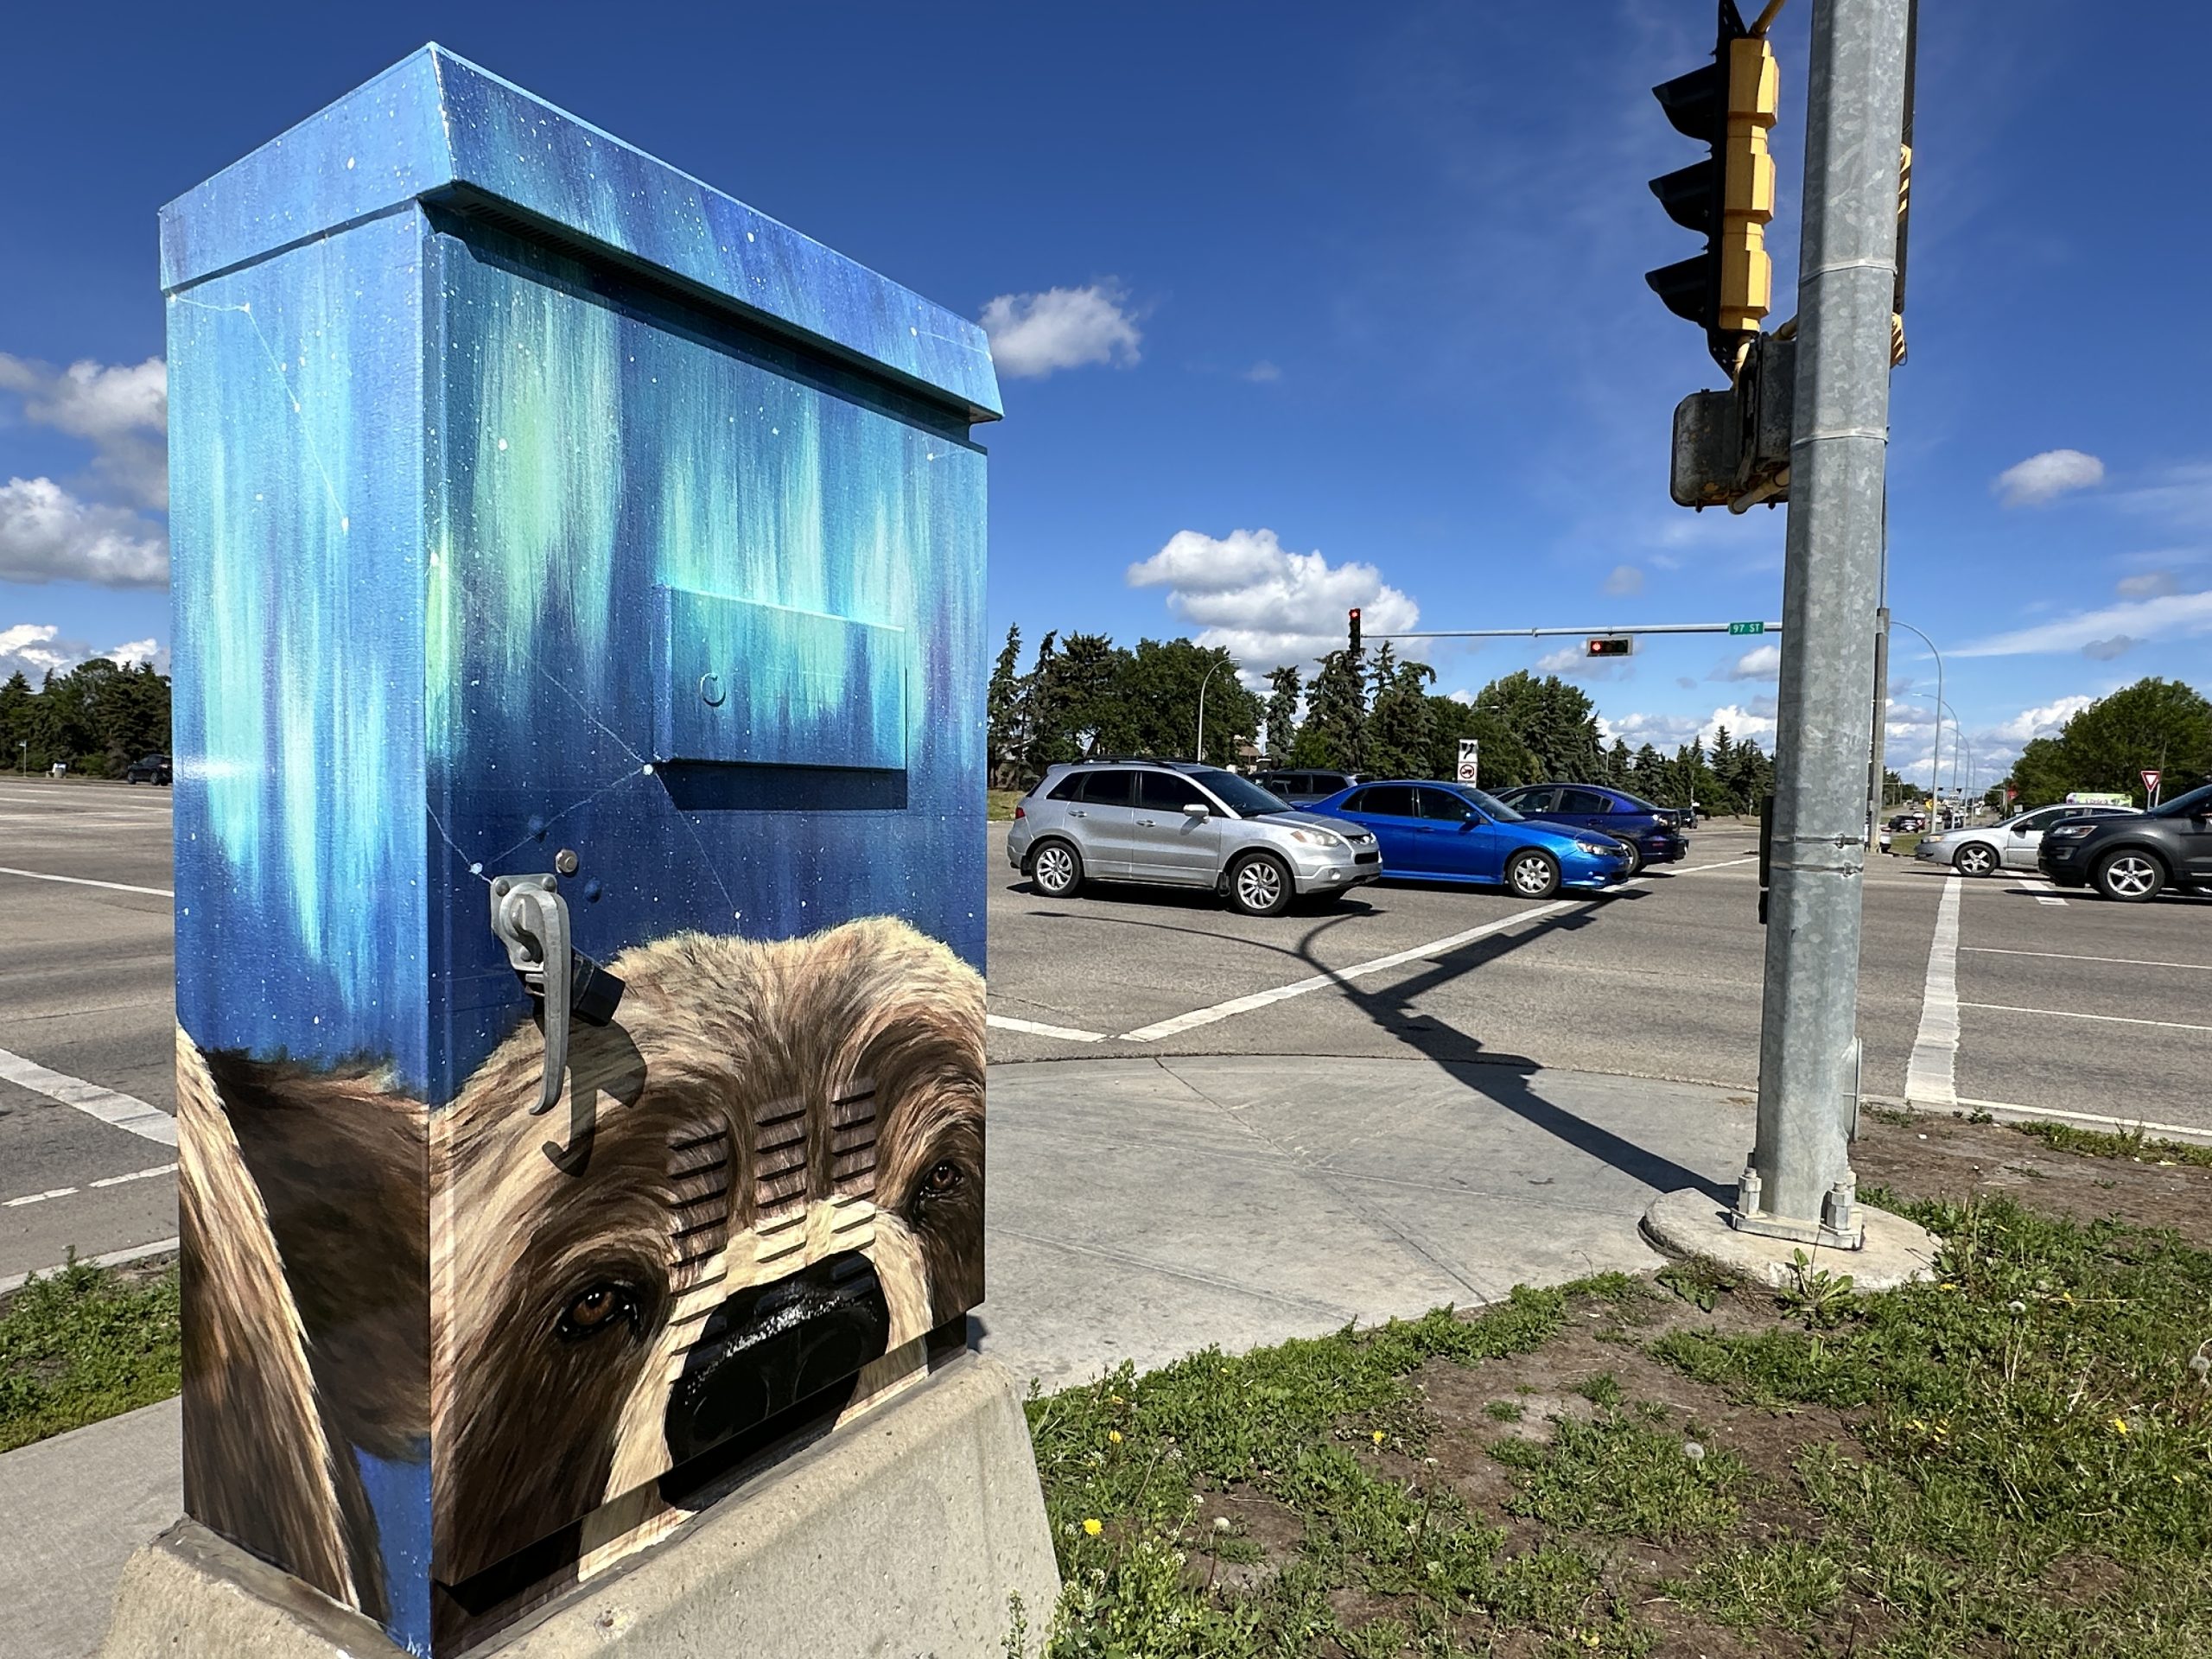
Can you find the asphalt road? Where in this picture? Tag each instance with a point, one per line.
(2069, 1007)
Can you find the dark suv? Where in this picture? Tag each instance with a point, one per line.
(1302, 786)
(2131, 858)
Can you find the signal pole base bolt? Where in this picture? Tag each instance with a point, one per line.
(1887, 1250)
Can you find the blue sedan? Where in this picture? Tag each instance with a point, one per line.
(1454, 832)
(1649, 830)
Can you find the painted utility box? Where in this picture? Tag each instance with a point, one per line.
(579, 736)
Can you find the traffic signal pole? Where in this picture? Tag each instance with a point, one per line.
(1799, 1184)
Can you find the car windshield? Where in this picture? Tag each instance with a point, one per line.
(1241, 795)
(2196, 803)
(1489, 806)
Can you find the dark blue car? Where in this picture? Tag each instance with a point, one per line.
(1454, 832)
(1649, 830)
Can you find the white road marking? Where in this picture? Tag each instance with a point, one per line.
(112, 1259)
(2005, 1108)
(1931, 1076)
(71, 1191)
(2064, 1014)
(123, 1111)
(1183, 1022)
(2061, 956)
(1065, 1034)
(87, 881)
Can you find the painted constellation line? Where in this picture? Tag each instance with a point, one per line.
(244, 309)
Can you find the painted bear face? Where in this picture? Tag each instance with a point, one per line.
(773, 1181)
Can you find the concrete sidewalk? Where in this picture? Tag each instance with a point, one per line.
(1139, 1209)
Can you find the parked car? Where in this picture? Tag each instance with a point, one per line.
(1908, 823)
(2010, 845)
(1301, 786)
(1178, 824)
(1454, 832)
(1651, 832)
(2133, 855)
(151, 769)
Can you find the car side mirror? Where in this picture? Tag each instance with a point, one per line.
(1196, 809)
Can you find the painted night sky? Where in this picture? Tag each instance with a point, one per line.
(470, 400)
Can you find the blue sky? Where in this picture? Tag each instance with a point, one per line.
(1295, 307)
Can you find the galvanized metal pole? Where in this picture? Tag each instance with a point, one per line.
(1876, 761)
(1799, 1184)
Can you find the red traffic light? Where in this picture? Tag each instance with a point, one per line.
(1616, 644)
(1353, 617)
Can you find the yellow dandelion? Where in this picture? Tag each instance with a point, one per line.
(1091, 1527)
(1378, 1437)
(2120, 1425)
(1115, 1435)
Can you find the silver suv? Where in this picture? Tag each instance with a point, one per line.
(1180, 824)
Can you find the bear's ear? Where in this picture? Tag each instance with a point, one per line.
(259, 1466)
(343, 1170)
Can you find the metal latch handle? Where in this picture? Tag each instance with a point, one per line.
(529, 917)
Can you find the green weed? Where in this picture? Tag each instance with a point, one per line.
(82, 1343)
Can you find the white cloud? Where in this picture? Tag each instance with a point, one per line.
(1759, 663)
(1667, 733)
(1742, 723)
(1575, 663)
(2044, 478)
(1266, 605)
(2103, 651)
(121, 410)
(1263, 373)
(34, 648)
(2153, 584)
(2042, 722)
(1626, 582)
(2185, 614)
(1033, 334)
(49, 535)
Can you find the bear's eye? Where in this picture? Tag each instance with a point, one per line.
(944, 1179)
(589, 1312)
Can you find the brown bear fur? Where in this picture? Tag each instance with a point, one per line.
(327, 1309)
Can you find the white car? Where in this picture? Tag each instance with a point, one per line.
(2008, 846)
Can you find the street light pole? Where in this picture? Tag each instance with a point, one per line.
(1935, 754)
(1200, 757)
(1798, 1185)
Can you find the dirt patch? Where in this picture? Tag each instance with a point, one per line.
(1933, 1156)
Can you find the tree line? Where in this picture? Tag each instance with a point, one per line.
(97, 718)
(2164, 726)
(1082, 696)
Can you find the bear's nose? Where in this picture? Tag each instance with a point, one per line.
(771, 1348)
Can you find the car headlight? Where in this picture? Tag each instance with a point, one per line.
(1597, 849)
(2068, 831)
(1317, 838)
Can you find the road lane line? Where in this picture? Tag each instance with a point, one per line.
(1183, 1022)
(87, 881)
(111, 1259)
(1065, 1034)
(1931, 1076)
(123, 1111)
(72, 1192)
(2064, 1014)
(2061, 956)
(2005, 1108)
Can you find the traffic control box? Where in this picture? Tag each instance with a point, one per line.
(579, 747)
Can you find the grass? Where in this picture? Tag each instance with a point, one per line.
(2016, 1458)
(999, 805)
(2126, 1143)
(82, 1343)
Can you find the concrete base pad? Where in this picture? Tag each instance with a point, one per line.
(1692, 1223)
(913, 1530)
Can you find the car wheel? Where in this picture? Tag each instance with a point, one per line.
(2131, 876)
(1056, 869)
(1974, 859)
(1533, 874)
(1260, 885)
(1635, 859)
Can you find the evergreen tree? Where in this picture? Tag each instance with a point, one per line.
(1400, 726)
(1283, 689)
(1335, 731)
(1002, 705)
